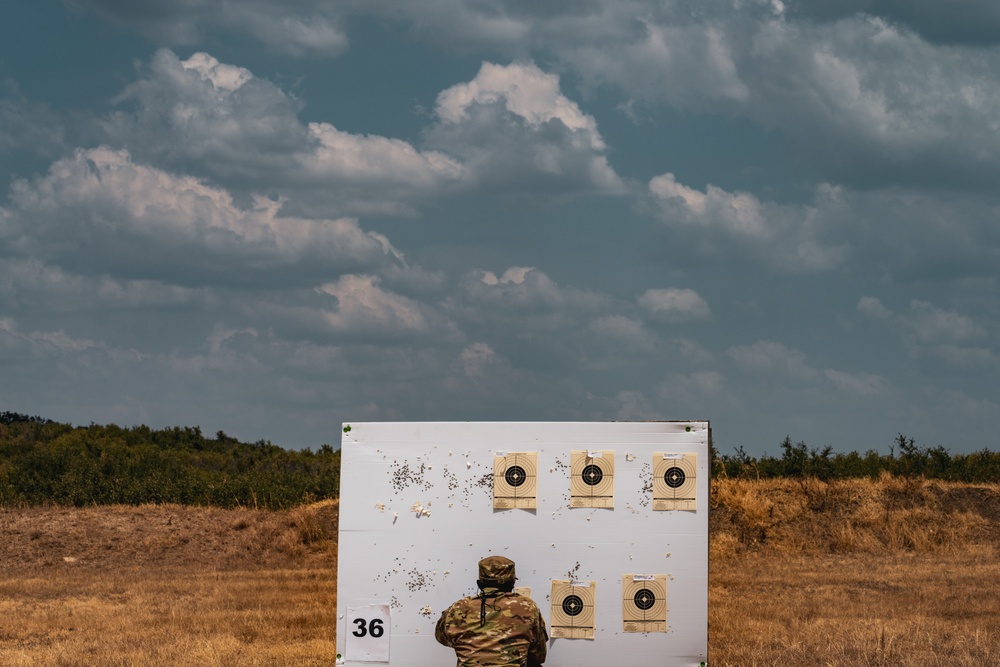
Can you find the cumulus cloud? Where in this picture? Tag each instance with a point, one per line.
(933, 325)
(866, 99)
(675, 304)
(781, 362)
(30, 281)
(975, 22)
(363, 306)
(869, 92)
(872, 307)
(220, 121)
(528, 294)
(100, 212)
(42, 343)
(510, 129)
(927, 330)
(31, 127)
(296, 28)
(772, 357)
(791, 237)
(618, 337)
(513, 127)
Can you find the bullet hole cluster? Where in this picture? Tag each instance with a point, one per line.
(450, 479)
(486, 483)
(403, 476)
(418, 580)
(646, 476)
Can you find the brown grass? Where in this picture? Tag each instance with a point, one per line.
(168, 585)
(892, 572)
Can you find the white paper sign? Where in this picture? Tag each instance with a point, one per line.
(368, 631)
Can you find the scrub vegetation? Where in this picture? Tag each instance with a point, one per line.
(44, 462)
(905, 458)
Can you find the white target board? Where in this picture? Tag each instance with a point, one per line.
(607, 524)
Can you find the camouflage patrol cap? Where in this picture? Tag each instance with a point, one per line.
(496, 569)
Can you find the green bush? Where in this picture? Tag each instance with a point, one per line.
(42, 462)
(905, 459)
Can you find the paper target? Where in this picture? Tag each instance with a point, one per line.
(572, 615)
(674, 481)
(515, 481)
(644, 603)
(592, 478)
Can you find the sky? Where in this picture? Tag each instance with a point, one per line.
(271, 217)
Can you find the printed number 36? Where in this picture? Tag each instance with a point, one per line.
(372, 627)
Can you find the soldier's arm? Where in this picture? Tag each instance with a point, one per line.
(539, 644)
(441, 630)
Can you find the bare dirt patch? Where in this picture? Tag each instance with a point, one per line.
(167, 535)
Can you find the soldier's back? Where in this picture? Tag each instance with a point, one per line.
(512, 626)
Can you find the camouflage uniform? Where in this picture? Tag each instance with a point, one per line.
(495, 628)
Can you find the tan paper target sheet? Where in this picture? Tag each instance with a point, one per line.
(644, 603)
(515, 480)
(592, 478)
(573, 612)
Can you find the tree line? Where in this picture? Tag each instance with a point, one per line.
(45, 462)
(905, 459)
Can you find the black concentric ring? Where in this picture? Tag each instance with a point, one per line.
(592, 475)
(572, 605)
(674, 477)
(644, 599)
(515, 476)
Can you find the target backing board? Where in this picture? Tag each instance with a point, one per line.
(515, 480)
(675, 481)
(644, 603)
(572, 615)
(592, 478)
(417, 514)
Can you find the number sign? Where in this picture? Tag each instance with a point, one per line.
(368, 633)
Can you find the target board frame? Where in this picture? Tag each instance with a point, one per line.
(592, 478)
(675, 481)
(417, 514)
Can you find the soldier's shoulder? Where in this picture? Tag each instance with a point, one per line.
(523, 601)
(463, 603)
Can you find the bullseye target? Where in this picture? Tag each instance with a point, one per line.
(515, 477)
(674, 481)
(572, 614)
(644, 602)
(592, 478)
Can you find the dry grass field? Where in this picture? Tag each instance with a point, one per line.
(888, 572)
(167, 585)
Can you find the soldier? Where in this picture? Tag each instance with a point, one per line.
(498, 627)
